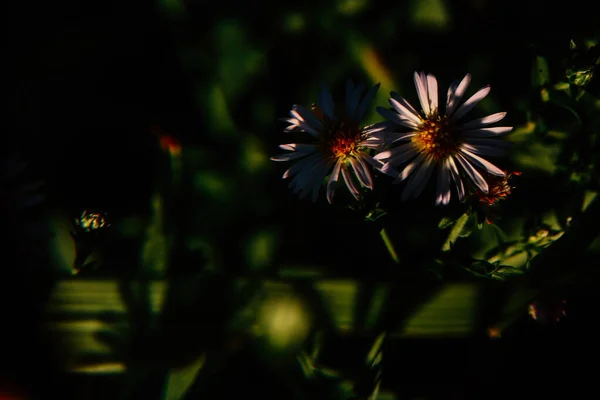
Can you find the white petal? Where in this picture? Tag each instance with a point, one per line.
(326, 102)
(417, 182)
(306, 115)
(489, 142)
(307, 128)
(472, 102)
(482, 163)
(293, 121)
(372, 143)
(350, 183)
(408, 123)
(296, 128)
(375, 163)
(363, 160)
(308, 148)
(473, 174)
(367, 160)
(405, 111)
(456, 91)
(460, 188)
(492, 151)
(309, 177)
(289, 156)
(432, 90)
(396, 118)
(358, 171)
(394, 137)
(365, 102)
(410, 167)
(389, 170)
(378, 165)
(319, 177)
(487, 132)
(293, 127)
(301, 123)
(373, 140)
(303, 179)
(403, 157)
(395, 151)
(387, 154)
(481, 122)
(312, 180)
(308, 162)
(421, 85)
(405, 103)
(333, 180)
(362, 173)
(378, 127)
(443, 184)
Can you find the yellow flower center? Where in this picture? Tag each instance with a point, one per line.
(436, 139)
(340, 139)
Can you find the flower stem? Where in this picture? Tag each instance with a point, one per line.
(389, 245)
(455, 232)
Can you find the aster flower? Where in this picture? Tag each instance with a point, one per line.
(89, 221)
(439, 141)
(340, 144)
(86, 232)
(499, 188)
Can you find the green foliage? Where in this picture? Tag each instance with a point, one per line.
(584, 60)
(461, 228)
(251, 275)
(540, 74)
(506, 272)
(482, 268)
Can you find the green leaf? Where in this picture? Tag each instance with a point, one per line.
(540, 75)
(238, 58)
(483, 267)
(580, 76)
(572, 45)
(375, 214)
(389, 245)
(180, 380)
(506, 271)
(458, 230)
(260, 249)
(475, 273)
(469, 226)
(500, 235)
(446, 222)
(372, 356)
(536, 156)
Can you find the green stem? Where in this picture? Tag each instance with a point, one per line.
(389, 245)
(455, 231)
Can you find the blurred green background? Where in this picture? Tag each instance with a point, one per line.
(164, 115)
(98, 83)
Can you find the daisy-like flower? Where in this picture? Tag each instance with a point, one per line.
(439, 141)
(499, 188)
(340, 144)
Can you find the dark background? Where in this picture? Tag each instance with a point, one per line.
(88, 83)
